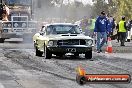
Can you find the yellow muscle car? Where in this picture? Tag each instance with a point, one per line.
(60, 39)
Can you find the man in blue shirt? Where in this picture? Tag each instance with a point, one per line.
(101, 30)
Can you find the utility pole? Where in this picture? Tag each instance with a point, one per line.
(32, 9)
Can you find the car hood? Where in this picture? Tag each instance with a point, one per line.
(68, 36)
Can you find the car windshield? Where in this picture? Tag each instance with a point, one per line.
(63, 29)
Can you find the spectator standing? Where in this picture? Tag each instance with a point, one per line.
(101, 30)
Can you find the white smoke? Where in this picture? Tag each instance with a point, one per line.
(62, 11)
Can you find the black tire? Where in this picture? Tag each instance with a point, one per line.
(128, 40)
(2, 40)
(38, 53)
(88, 54)
(47, 53)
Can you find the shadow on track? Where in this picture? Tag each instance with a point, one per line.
(72, 57)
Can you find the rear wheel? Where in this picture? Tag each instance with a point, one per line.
(2, 40)
(38, 53)
(88, 54)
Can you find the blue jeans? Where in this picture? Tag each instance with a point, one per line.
(103, 36)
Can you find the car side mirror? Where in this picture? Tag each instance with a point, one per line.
(41, 33)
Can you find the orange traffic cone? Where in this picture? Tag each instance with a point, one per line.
(109, 46)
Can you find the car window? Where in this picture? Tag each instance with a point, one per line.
(48, 31)
(63, 29)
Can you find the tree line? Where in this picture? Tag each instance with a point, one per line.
(116, 8)
(77, 10)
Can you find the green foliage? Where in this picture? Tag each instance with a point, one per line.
(124, 8)
(117, 8)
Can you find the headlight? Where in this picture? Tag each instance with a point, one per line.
(50, 43)
(89, 42)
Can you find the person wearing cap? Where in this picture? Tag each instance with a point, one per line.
(122, 30)
(101, 30)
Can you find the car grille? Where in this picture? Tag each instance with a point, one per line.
(71, 42)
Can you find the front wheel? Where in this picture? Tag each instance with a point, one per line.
(38, 53)
(47, 53)
(88, 54)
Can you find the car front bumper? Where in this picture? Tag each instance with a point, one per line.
(69, 49)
